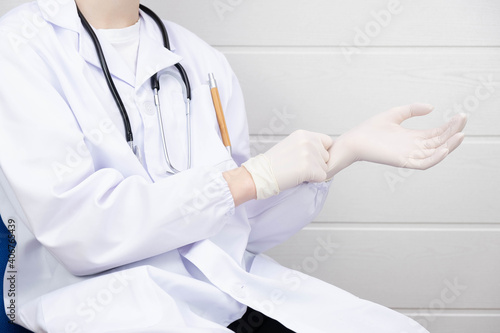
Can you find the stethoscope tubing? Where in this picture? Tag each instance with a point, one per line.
(155, 86)
(116, 96)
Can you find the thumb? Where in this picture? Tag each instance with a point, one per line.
(326, 140)
(402, 113)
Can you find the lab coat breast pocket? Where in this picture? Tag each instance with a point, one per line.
(208, 148)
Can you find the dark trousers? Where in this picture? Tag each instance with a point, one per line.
(255, 322)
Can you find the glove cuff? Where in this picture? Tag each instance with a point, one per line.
(262, 173)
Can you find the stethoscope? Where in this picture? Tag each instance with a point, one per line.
(155, 85)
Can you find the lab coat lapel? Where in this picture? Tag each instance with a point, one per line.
(65, 15)
(61, 13)
(153, 56)
(115, 62)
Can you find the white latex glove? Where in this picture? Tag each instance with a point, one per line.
(300, 157)
(382, 139)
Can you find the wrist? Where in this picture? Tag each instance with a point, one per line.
(241, 185)
(340, 157)
(262, 173)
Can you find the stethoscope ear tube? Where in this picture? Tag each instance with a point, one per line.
(159, 23)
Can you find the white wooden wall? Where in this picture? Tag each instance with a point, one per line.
(424, 243)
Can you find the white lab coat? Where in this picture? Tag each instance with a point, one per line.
(110, 243)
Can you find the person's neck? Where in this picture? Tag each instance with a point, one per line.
(110, 14)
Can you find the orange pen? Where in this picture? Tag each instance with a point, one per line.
(218, 111)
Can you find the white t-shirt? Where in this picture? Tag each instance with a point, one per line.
(126, 42)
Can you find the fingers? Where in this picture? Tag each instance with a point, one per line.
(457, 123)
(441, 135)
(460, 120)
(318, 175)
(455, 141)
(316, 165)
(319, 144)
(425, 163)
(327, 143)
(326, 140)
(425, 158)
(325, 155)
(422, 153)
(402, 113)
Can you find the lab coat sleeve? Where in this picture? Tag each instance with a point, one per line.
(276, 219)
(97, 218)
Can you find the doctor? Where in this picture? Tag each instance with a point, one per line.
(109, 240)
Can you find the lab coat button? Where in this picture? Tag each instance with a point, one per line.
(239, 291)
(149, 108)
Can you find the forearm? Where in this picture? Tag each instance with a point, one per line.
(241, 185)
(337, 161)
(276, 219)
(106, 222)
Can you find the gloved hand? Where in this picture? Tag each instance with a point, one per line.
(300, 157)
(382, 139)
